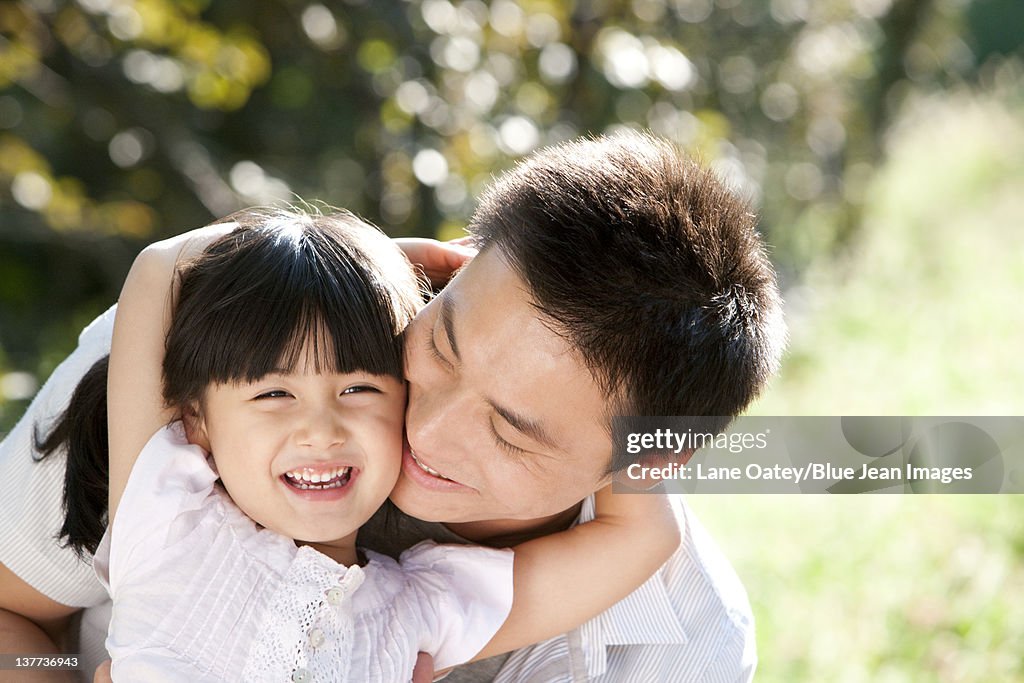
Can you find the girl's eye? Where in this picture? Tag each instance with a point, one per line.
(358, 390)
(274, 393)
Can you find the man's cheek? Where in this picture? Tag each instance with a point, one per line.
(409, 353)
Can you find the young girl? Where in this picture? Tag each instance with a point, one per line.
(231, 553)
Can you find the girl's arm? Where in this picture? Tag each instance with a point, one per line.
(135, 403)
(564, 579)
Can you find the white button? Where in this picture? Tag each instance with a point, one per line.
(335, 596)
(316, 637)
(300, 676)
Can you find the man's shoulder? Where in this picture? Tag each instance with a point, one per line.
(695, 605)
(698, 581)
(711, 602)
(97, 334)
(699, 561)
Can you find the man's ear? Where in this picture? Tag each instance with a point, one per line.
(681, 458)
(195, 428)
(638, 476)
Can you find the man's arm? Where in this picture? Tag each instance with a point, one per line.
(31, 623)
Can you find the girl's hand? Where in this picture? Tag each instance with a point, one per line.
(437, 260)
(424, 670)
(102, 674)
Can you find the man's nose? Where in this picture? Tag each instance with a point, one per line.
(434, 415)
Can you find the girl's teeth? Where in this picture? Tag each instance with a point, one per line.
(306, 479)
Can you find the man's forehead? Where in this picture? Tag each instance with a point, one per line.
(491, 266)
(489, 307)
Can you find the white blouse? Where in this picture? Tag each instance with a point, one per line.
(202, 593)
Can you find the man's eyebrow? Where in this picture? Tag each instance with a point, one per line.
(530, 428)
(446, 313)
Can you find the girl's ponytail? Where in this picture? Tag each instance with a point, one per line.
(82, 431)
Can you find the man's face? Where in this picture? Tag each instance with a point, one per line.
(499, 406)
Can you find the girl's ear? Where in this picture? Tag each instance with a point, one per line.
(195, 428)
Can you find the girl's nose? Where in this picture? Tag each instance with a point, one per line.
(322, 430)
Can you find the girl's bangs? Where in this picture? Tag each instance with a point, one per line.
(322, 297)
(348, 332)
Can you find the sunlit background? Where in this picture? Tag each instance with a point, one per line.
(882, 142)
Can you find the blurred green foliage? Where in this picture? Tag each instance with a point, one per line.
(122, 121)
(125, 120)
(881, 141)
(920, 315)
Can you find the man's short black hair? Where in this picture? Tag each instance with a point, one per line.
(649, 266)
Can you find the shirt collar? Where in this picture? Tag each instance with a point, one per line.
(644, 617)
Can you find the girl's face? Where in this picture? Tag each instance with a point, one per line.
(308, 455)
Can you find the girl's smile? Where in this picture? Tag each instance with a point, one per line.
(316, 478)
(320, 483)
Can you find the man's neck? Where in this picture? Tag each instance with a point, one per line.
(502, 533)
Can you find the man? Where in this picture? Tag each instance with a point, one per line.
(614, 278)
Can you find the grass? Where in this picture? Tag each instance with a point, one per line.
(879, 588)
(922, 317)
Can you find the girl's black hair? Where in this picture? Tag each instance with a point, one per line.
(247, 306)
(82, 431)
(281, 289)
